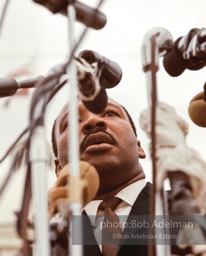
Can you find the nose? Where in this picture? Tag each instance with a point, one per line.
(93, 123)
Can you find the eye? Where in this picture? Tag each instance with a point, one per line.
(109, 112)
(66, 124)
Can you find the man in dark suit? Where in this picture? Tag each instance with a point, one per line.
(108, 142)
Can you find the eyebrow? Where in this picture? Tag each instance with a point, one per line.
(118, 107)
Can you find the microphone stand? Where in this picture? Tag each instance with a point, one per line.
(75, 205)
(156, 42)
(38, 159)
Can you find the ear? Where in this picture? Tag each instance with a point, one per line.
(140, 150)
(57, 166)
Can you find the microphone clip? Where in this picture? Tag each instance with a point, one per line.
(88, 79)
(193, 48)
(163, 43)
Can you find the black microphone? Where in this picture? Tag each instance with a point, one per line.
(85, 14)
(188, 52)
(95, 74)
(9, 86)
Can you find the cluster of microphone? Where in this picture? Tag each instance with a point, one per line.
(96, 73)
(92, 84)
(189, 52)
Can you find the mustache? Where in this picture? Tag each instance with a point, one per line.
(96, 130)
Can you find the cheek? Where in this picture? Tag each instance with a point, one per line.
(130, 144)
(63, 151)
(126, 133)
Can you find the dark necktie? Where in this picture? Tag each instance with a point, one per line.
(110, 227)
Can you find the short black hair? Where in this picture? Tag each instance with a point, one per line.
(53, 138)
(130, 120)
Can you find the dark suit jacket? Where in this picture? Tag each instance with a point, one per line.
(128, 247)
(140, 207)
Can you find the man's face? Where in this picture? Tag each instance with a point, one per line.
(107, 140)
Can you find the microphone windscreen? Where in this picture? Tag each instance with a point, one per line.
(98, 104)
(173, 62)
(8, 86)
(111, 73)
(85, 14)
(60, 191)
(88, 174)
(89, 16)
(197, 110)
(91, 180)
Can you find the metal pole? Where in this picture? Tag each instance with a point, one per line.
(38, 158)
(73, 152)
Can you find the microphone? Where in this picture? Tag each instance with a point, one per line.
(95, 74)
(9, 86)
(188, 52)
(197, 109)
(68, 189)
(63, 186)
(85, 14)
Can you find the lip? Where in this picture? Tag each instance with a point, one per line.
(96, 142)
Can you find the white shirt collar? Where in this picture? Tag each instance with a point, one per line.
(128, 195)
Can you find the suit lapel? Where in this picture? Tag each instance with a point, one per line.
(140, 208)
(90, 244)
(141, 205)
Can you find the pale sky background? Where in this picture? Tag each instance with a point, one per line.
(34, 37)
